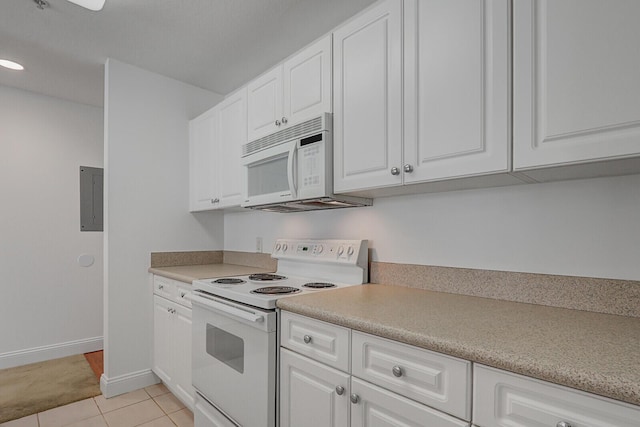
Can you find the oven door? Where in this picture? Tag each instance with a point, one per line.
(234, 359)
(271, 175)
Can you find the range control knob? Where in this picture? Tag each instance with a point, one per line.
(284, 247)
(350, 251)
(278, 246)
(340, 250)
(319, 249)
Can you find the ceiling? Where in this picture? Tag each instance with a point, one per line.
(213, 44)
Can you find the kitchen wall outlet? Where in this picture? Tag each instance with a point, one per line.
(259, 244)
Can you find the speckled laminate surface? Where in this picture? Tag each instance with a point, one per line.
(594, 352)
(189, 273)
(609, 296)
(250, 258)
(172, 259)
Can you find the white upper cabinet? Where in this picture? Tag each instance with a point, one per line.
(451, 79)
(232, 125)
(203, 183)
(265, 104)
(576, 81)
(291, 92)
(456, 89)
(215, 148)
(307, 83)
(367, 74)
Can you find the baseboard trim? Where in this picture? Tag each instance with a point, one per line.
(48, 352)
(128, 382)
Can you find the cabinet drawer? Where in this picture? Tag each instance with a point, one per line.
(434, 379)
(505, 399)
(377, 406)
(316, 339)
(164, 287)
(182, 294)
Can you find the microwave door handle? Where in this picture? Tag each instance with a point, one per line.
(292, 169)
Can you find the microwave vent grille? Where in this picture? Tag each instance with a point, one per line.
(284, 135)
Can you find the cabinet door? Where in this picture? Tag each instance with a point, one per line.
(367, 72)
(231, 136)
(378, 407)
(308, 395)
(264, 102)
(307, 83)
(181, 346)
(203, 188)
(576, 91)
(163, 347)
(456, 88)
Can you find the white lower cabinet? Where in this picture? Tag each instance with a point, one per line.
(375, 406)
(431, 378)
(172, 339)
(503, 399)
(313, 394)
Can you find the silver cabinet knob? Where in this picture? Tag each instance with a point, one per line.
(182, 294)
(408, 168)
(284, 120)
(354, 398)
(563, 424)
(278, 123)
(339, 390)
(395, 171)
(161, 287)
(397, 371)
(307, 339)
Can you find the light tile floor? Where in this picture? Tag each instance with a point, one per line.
(152, 406)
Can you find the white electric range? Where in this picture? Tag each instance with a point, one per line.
(235, 327)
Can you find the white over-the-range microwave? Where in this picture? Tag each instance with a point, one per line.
(292, 170)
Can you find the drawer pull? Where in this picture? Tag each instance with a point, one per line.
(563, 424)
(340, 390)
(354, 398)
(307, 339)
(397, 371)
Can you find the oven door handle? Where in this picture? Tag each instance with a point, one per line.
(226, 308)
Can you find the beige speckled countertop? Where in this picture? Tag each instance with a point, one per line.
(189, 273)
(594, 352)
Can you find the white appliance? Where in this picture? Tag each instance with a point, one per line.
(292, 170)
(235, 327)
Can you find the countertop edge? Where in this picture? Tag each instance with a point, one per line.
(182, 276)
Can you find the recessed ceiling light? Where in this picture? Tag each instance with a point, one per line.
(11, 65)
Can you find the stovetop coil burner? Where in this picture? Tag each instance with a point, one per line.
(228, 281)
(318, 285)
(266, 277)
(275, 290)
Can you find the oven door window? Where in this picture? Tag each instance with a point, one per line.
(225, 347)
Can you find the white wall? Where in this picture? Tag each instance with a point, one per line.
(584, 228)
(50, 306)
(146, 176)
